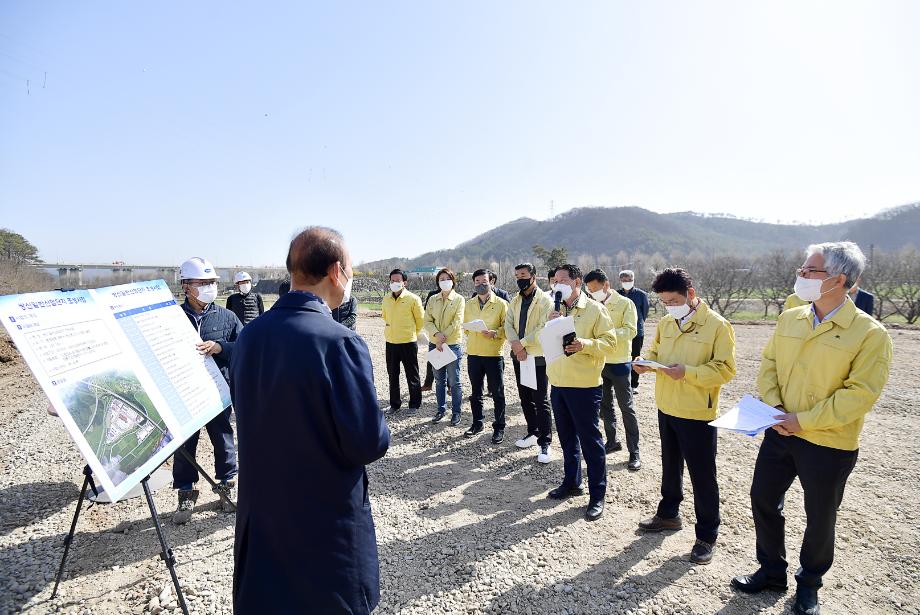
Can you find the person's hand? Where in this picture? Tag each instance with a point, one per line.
(516, 347)
(440, 337)
(491, 334)
(209, 348)
(676, 371)
(522, 355)
(789, 425)
(640, 369)
(440, 346)
(554, 315)
(576, 346)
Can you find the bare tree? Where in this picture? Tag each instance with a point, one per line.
(724, 281)
(774, 277)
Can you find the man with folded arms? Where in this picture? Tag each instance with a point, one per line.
(698, 348)
(824, 368)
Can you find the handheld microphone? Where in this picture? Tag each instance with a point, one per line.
(558, 300)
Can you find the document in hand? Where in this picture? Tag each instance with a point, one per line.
(475, 325)
(439, 359)
(551, 337)
(749, 416)
(529, 373)
(651, 364)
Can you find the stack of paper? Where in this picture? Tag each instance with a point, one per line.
(749, 416)
(651, 364)
(551, 337)
(475, 325)
(439, 359)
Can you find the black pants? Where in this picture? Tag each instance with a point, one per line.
(692, 441)
(535, 405)
(220, 431)
(577, 412)
(636, 352)
(429, 375)
(619, 386)
(493, 368)
(823, 473)
(407, 355)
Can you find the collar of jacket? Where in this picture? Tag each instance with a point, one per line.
(191, 311)
(302, 300)
(581, 302)
(492, 299)
(451, 297)
(700, 316)
(843, 317)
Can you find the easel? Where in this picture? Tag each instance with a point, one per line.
(165, 551)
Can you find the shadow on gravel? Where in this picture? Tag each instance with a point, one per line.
(742, 604)
(26, 503)
(95, 551)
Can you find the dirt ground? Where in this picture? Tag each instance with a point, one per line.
(464, 526)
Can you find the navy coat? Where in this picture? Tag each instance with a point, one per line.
(865, 301)
(307, 423)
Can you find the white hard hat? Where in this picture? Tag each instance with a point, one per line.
(242, 276)
(197, 268)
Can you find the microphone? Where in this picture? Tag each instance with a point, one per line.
(558, 300)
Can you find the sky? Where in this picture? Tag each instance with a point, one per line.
(151, 132)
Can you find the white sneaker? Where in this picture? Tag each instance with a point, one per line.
(545, 455)
(526, 442)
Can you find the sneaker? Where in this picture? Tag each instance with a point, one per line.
(455, 420)
(475, 429)
(187, 499)
(498, 436)
(227, 488)
(437, 417)
(526, 442)
(701, 552)
(545, 455)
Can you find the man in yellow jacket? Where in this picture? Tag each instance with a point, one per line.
(622, 312)
(824, 368)
(576, 395)
(524, 321)
(403, 318)
(698, 347)
(484, 353)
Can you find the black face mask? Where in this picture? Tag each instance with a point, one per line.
(524, 284)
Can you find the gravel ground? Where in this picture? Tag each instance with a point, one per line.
(464, 526)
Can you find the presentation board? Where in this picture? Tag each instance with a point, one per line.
(120, 366)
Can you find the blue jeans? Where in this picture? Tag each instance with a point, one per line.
(449, 373)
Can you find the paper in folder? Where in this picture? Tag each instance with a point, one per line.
(749, 416)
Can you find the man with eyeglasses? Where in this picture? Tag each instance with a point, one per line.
(218, 328)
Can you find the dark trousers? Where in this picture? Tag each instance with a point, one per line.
(407, 355)
(636, 352)
(535, 405)
(220, 431)
(577, 412)
(479, 369)
(619, 385)
(692, 441)
(823, 473)
(429, 375)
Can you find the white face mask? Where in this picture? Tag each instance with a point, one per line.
(627, 286)
(808, 289)
(245, 288)
(599, 295)
(565, 289)
(446, 285)
(347, 296)
(396, 286)
(207, 294)
(678, 311)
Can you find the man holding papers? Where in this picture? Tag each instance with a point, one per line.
(403, 318)
(524, 320)
(824, 368)
(443, 324)
(576, 395)
(698, 348)
(484, 353)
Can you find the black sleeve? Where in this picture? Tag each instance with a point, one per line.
(261, 304)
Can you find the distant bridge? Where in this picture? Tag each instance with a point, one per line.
(74, 274)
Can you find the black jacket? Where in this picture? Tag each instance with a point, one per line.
(236, 303)
(216, 324)
(640, 298)
(347, 314)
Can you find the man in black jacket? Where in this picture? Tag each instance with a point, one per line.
(640, 298)
(347, 314)
(218, 328)
(246, 304)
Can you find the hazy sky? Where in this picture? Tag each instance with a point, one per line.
(171, 129)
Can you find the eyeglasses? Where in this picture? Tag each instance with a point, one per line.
(199, 283)
(804, 271)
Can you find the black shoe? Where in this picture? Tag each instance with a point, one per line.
(455, 419)
(806, 601)
(438, 416)
(497, 436)
(634, 462)
(613, 447)
(701, 553)
(757, 582)
(595, 510)
(564, 491)
(658, 524)
(474, 429)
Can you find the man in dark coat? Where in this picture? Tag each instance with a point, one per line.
(347, 314)
(308, 423)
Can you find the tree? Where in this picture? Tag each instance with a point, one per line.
(555, 257)
(724, 281)
(14, 247)
(774, 275)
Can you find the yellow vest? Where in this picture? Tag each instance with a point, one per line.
(493, 314)
(583, 369)
(706, 346)
(622, 312)
(540, 307)
(403, 317)
(446, 316)
(830, 376)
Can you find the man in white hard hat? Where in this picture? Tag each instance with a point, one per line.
(218, 328)
(246, 304)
